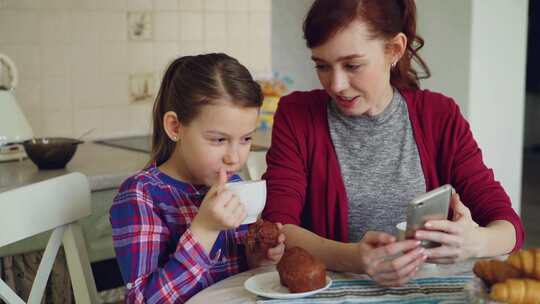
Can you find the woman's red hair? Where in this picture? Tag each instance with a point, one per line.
(384, 19)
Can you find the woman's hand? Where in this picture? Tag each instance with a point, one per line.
(272, 256)
(459, 238)
(382, 258)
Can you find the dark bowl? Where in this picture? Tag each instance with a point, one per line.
(51, 152)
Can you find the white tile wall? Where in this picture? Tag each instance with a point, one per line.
(238, 5)
(191, 26)
(85, 4)
(194, 5)
(56, 94)
(74, 56)
(215, 5)
(215, 26)
(165, 5)
(139, 5)
(166, 26)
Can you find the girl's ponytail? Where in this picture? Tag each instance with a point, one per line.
(162, 146)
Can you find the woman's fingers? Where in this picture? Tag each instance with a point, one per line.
(398, 266)
(401, 273)
(443, 225)
(376, 238)
(443, 252)
(442, 261)
(391, 266)
(439, 237)
(393, 249)
(458, 206)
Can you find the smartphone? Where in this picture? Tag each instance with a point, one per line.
(433, 205)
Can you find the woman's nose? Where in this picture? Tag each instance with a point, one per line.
(338, 81)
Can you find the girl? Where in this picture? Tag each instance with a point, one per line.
(176, 229)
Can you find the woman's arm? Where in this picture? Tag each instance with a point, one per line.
(377, 254)
(498, 238)
(484, 197)
(337, 256)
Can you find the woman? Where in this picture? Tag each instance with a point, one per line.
(346, 160)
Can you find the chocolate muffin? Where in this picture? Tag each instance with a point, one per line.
(300, 271)
(261, 236)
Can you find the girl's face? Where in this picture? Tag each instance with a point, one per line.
(220, 136)
(355, 70)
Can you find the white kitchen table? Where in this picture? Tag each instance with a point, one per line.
(445, 282)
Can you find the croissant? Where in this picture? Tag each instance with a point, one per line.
(517, 291)
(495, 271)
(527, 261)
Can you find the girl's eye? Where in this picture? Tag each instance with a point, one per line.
(246, 140)
(219, 140)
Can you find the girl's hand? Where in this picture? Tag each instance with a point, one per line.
(460, 238)
(382, 258)
(273, 255)
(221, 208)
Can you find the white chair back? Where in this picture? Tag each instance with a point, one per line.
(55, 204)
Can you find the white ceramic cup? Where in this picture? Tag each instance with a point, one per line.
(253, 195)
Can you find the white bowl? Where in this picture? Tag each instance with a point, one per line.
(253, 195)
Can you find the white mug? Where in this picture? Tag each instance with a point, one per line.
(253, 195)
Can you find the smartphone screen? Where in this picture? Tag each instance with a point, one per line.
(433, 205)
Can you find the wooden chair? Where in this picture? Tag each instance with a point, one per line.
(55, 204)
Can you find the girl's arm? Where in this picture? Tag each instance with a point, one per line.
(154, 274)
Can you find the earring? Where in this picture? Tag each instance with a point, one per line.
(393, 65)
(174, 138)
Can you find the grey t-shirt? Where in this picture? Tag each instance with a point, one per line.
(380, 166)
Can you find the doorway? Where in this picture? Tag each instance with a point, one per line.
(530, 197)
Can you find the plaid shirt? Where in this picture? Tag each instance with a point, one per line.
(160, 259)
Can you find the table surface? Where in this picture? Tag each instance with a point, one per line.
(231, 290)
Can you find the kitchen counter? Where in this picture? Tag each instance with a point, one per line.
(106, 167)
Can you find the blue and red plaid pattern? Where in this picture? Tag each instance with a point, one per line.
(160, 260)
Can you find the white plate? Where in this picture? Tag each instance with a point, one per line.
(268, 285)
